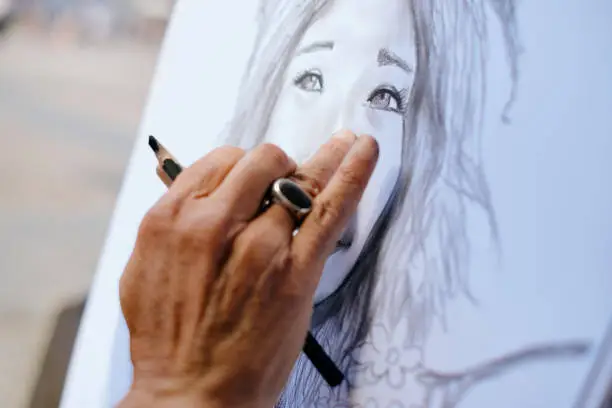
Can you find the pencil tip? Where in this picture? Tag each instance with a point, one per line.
(154, 144)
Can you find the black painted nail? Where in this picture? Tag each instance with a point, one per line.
(154, 144)
(172, 168)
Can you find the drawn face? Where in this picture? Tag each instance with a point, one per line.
(353, 69)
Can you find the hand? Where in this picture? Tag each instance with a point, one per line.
(217, 298)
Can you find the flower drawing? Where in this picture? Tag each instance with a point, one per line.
(383, 356)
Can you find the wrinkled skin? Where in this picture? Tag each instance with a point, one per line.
(218, 297)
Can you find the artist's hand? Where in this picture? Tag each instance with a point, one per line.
(218, 300)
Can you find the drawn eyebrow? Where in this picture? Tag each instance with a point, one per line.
(386, 57)
(316, 46)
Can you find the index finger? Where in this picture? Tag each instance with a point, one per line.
(333, 207)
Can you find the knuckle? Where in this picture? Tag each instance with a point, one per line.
(352, 175)
(248, 241)
(282, 284)
(284, 261)
(257, 248)
(338, 148)
(157, 221)
(205, 228)
(185, 232)
(325, 214)
(251, 242)
(249, 249)
(310, 181)
(220, 156)
(230, 151)
(276, 154)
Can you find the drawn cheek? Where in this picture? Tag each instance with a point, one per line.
(304, 99)
(321, 117)
(383, 125)
(301, 123)
(375, 197)
(383, 120)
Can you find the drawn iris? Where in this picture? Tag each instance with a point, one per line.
(310, 81)
(386, 98)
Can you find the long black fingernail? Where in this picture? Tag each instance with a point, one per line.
(171, 168)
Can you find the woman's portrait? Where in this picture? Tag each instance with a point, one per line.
(411, 74)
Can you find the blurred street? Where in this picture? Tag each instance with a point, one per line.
(68, 118)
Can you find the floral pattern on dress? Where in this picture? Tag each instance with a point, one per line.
(384, 358)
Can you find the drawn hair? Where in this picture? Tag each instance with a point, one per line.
(423, 228)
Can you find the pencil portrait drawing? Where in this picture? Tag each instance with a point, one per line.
(412, 74)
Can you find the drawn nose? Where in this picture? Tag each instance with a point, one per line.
(353, 116)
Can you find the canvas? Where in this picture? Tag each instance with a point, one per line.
(476, 271)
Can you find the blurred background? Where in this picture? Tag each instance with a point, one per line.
(74, 77)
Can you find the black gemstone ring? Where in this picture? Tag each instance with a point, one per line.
(292, 197)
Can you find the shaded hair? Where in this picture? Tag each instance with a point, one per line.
(422, 231)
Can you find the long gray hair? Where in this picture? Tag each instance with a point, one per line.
(422, 230)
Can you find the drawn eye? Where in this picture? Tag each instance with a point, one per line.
(309, 81)
(386, 99)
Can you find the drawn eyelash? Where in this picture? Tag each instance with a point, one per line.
(400, 97)
(404, 95)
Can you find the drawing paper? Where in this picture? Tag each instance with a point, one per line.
(480, 270)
